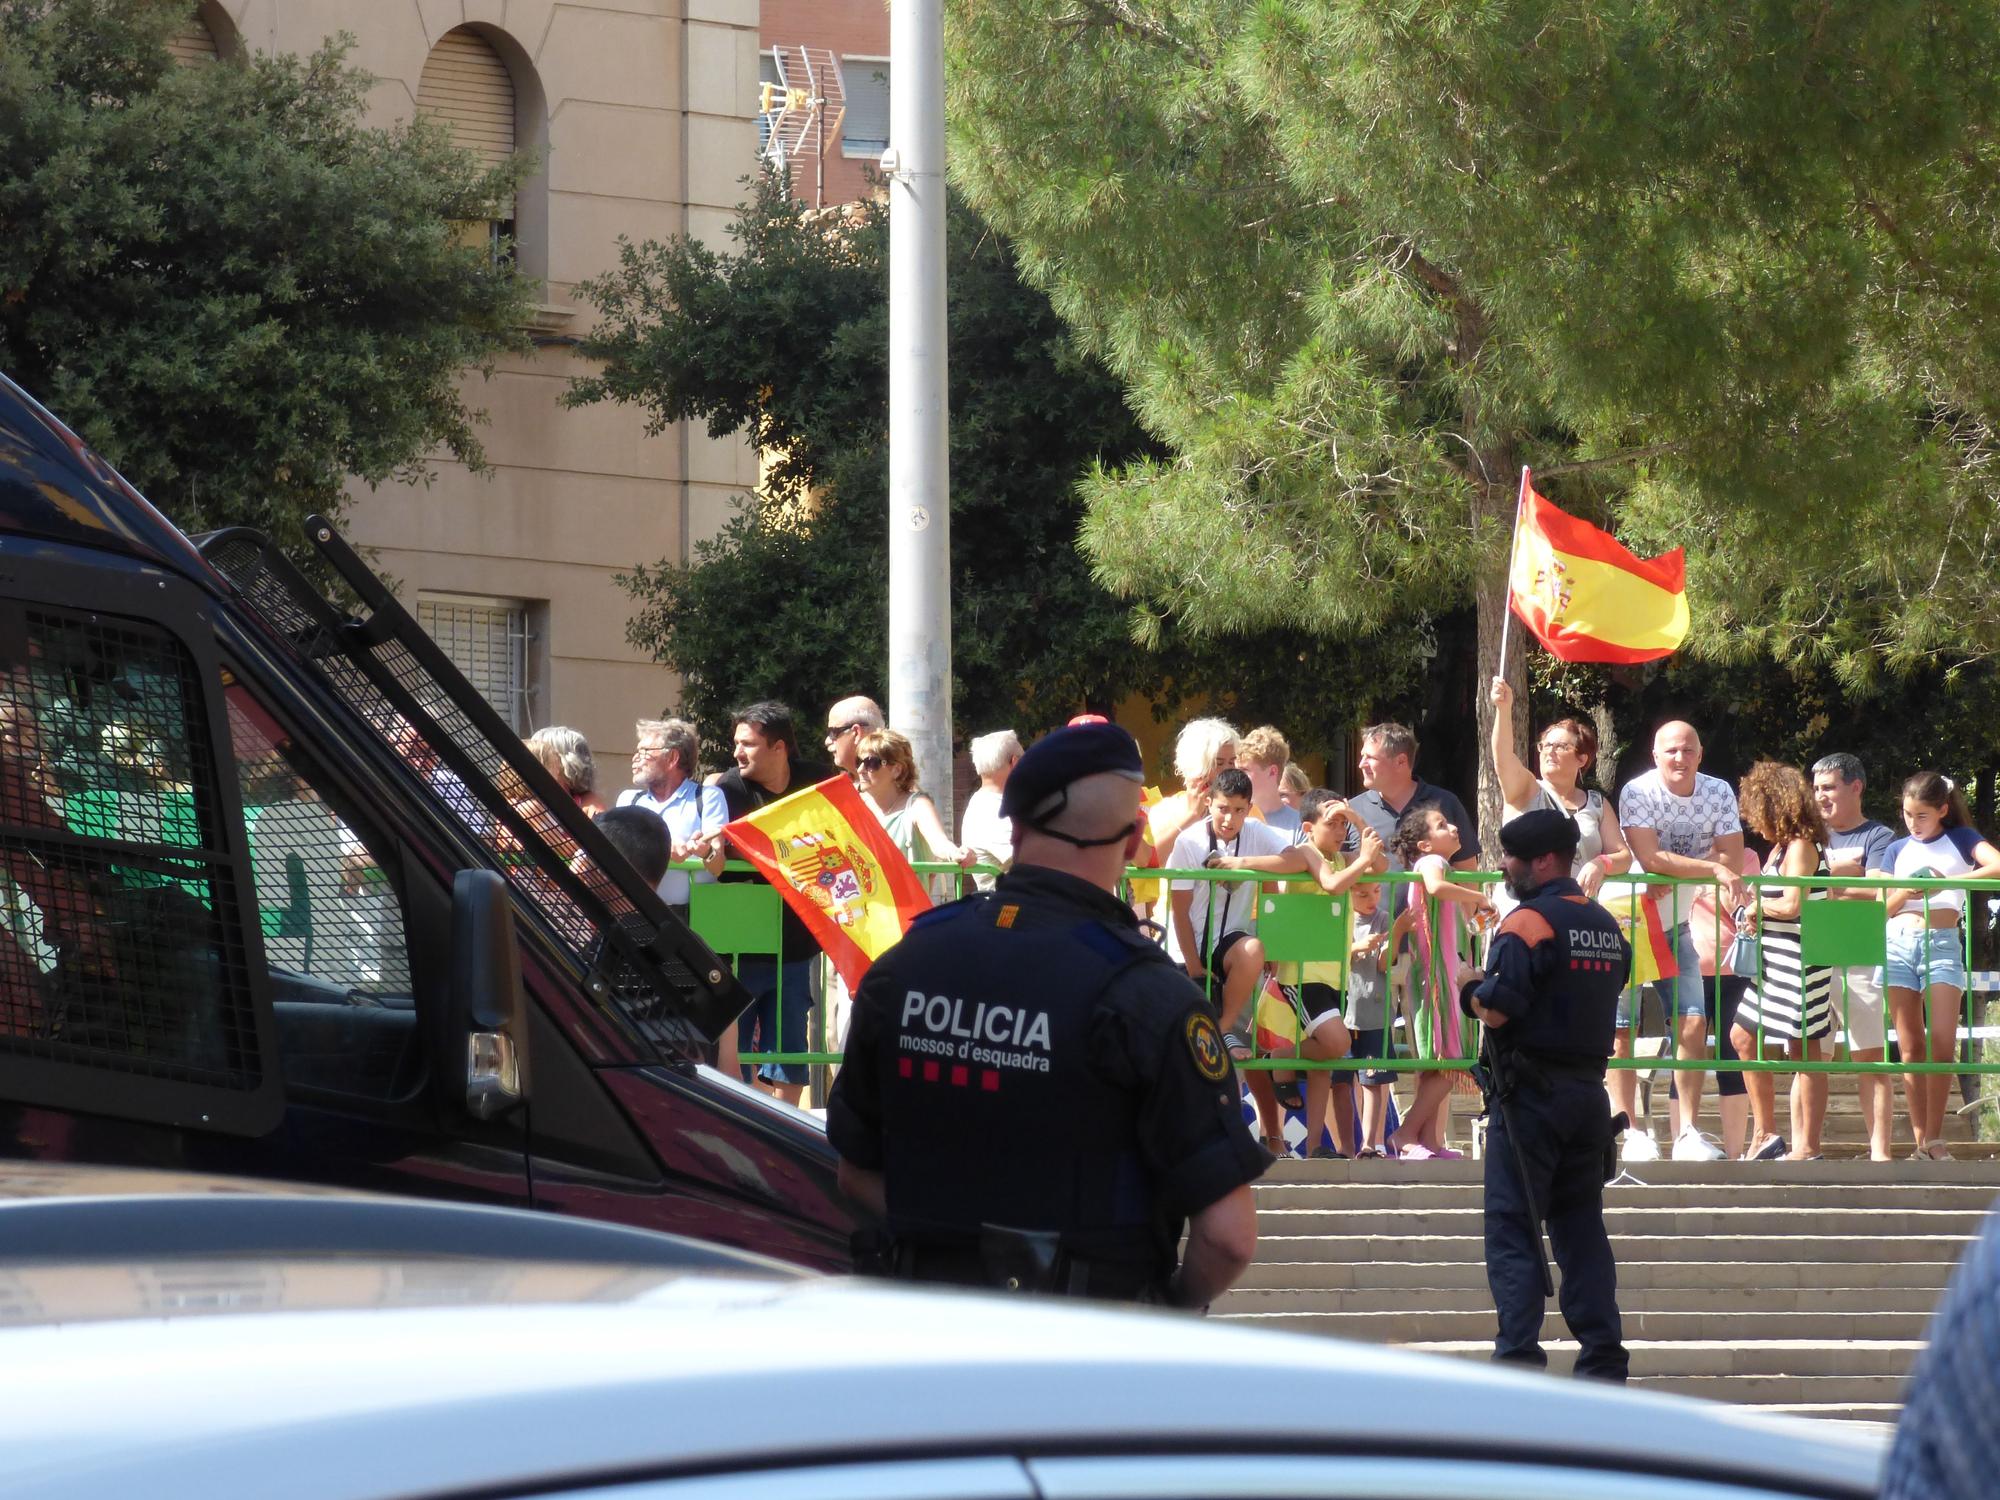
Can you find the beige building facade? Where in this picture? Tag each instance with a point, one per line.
(643, 113)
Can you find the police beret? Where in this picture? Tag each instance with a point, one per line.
(1543, 831)
(1069, 754)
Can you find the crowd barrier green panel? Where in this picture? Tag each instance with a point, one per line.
(1844, 934)
(736, 918)
(1302, 926)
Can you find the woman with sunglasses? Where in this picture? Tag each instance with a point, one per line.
(887, 773)
(1567, 749)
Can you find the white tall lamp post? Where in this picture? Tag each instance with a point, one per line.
(919, 471)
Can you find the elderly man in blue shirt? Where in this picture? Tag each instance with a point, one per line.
(665, 781)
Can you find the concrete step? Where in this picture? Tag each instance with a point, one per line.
(1704, 1249)
(1278, 1191)
(1424, 1324)
(1339, 1273)
(1655, 1173)
(1792, 1359)
(1883, 1392)
(1734, 1302)
(1876, 1415)
(1625, 1218)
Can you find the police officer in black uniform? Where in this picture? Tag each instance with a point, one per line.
(1034, 1095)
(1548, 1002)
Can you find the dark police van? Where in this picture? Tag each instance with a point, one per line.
(280, 895)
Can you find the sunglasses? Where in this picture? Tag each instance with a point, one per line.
(870, 763)
(834, 734)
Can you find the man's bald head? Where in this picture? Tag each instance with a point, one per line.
(1677, 754)
(846, 722)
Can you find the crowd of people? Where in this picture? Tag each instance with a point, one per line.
(1735, 987)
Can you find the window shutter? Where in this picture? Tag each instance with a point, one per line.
(865, 131)
(465, 84)
(487, 640)
(193, 43)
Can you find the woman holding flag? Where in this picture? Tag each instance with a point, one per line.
(1567, 749)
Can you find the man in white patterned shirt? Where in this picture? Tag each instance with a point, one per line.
(1678, 822)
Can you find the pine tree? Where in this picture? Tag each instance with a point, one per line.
(1724, 275)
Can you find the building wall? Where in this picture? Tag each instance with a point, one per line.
(644, 112)
(850, 29)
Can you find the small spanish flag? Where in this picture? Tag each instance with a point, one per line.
(1639, 916)
(833, 862)
(1586, 597)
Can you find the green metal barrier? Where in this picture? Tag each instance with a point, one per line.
(1300, 923)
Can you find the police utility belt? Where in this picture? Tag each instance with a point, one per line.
(1510, 1067)
(1011, 1260)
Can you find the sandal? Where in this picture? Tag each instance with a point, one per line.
(1277, 1145)
(1370, 1153)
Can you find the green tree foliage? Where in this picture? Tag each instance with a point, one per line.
(786, 341)
(221, 277)
(1724, 274)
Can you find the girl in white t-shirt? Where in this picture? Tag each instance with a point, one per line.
(1926, 958)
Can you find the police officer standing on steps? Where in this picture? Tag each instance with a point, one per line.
(1034, 1095)
(1548, 1001)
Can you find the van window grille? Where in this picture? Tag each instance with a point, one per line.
(494, 793)
(120, 941)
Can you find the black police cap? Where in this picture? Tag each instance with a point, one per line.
(1068, 755)
(1543, 831)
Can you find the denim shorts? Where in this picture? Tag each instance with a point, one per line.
(1923, 956)
(1687, 992)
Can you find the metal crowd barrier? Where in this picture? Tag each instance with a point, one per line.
(1301, 923)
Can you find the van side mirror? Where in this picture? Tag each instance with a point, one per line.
(488, 1009)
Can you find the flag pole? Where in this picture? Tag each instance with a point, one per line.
(1513, 548)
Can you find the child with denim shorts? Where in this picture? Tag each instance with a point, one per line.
(1926, 959)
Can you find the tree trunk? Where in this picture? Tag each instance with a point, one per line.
(1494, 500)
(1609, 748)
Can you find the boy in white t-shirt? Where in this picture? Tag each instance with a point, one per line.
(1213, 927)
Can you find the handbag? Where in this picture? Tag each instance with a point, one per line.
(1746, 953)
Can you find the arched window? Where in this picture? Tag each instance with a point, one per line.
(467, 85)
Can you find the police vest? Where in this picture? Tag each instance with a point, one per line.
(1575, 1011)
(992, 1113)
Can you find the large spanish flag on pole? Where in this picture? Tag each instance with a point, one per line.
(832, 861)
(1587, 598)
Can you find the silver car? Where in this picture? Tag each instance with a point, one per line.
(153, 1344)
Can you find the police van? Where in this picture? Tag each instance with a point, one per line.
(281, 895)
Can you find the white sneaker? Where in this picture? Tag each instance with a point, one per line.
(1640, 1146)
(1692, 1145)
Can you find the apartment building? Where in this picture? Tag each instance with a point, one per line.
(644, 113)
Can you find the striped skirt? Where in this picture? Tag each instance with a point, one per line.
(1787, 1000)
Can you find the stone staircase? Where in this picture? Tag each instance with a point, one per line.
(1802, 1287)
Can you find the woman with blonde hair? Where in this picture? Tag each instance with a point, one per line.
(565, 755)
(1787, 1002)
(887, 773)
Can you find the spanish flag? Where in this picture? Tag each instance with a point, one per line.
(832, 861)
(1638, 914)
(1586, 597)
